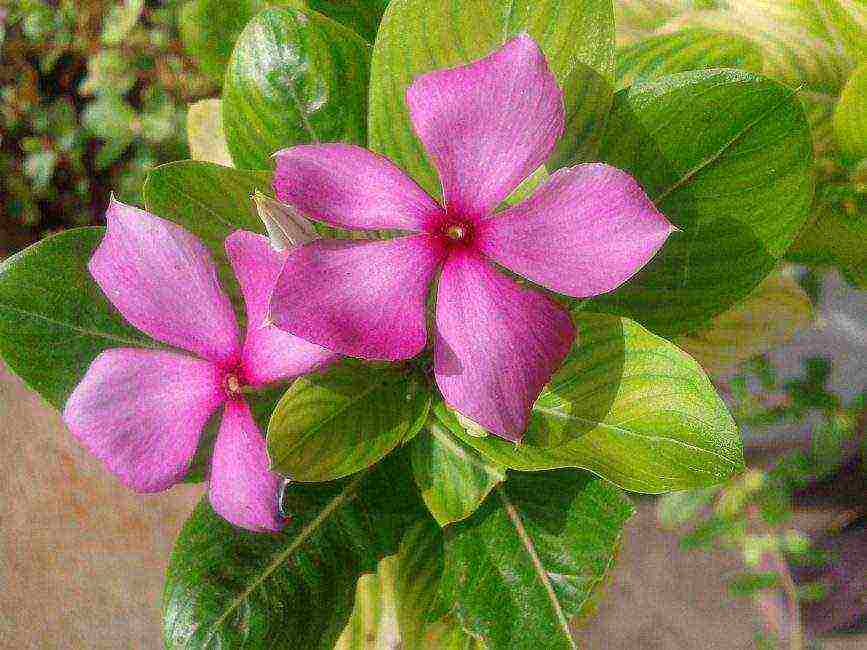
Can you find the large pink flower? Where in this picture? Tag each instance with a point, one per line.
(486, 127)
(142, 411)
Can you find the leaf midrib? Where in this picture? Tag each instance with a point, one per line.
(687, 178)
(139, 343)
(515, 517)
(283, 555)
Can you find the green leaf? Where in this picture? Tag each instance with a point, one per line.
(726, 156)
(453, 477)
(626, 405)
(687, 49)
(205, 133)
(836, 237)
(554, 537)
(417, 36)
(209, 29)
(767, 318)
(294, 77)
(230, 588)
(394, 607)
(211, 202)
(850, 116)
(334, 424)
(361, 16)
(54, 319)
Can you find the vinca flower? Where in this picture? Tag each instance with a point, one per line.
(142, 411)
(486, 127)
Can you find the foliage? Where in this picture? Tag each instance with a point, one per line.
(462, 538)
(814, 47)
(93, 94)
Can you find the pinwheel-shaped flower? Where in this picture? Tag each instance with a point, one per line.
(142, 411)
(486, 127)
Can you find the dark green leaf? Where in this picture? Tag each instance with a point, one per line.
(54, 319)
(333, 424)
(361, 16)
(727, 157)
(294, 77)
(531, 557)
(210, 201)
(228, 588)
(417, 36)
(453, 477)
(628, 406)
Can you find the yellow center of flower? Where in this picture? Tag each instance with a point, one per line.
(456, 232)
(233, 386)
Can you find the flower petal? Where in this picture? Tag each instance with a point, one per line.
(270, 354)
(362, 299)
(350, 187)
(488, 125)
(497, 344)
(586, 231)
(141, 412)
(164, 282)
(243, 490)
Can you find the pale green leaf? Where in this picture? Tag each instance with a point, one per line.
(336, 423)
(628, 406)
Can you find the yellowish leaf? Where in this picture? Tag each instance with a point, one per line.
(205, 133)
(768, 317)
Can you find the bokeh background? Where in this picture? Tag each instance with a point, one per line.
(93, 93)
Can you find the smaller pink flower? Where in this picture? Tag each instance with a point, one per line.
(486, 127)
(142, 411)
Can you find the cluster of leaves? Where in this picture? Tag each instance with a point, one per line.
(93, 94)
(819, 48)
(408, 522)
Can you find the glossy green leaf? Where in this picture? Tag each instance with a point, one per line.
(531, 557)
(417, 36)
(295, 76)
(453, 477)
(626, 405)
(687, 49)
(54, 319)
(210, 201)
(336, 423)
(209, 29)
(229, 588)
(726, 155)
(850, 116)
(395, 607)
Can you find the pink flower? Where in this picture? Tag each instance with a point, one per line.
(142, 411)
(486, 127)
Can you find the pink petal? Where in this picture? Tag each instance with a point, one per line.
(362, 299)
(243, 490)
(497, 344)
(586, 231)
(141, 412)
(270, 354)
(163, 281)
(488, 125)
(351, 187)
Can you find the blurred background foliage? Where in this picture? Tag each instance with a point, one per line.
(92, 94)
